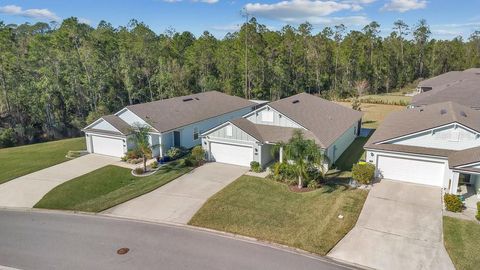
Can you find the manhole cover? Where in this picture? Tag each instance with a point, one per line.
(122, 251)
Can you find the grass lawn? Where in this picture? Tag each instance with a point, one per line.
(374, 113)
(392, 98)
(22, 160)
(107, 187)
(269, 211)
(462, 241)
(352, 154)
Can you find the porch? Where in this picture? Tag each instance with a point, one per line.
(467, 187)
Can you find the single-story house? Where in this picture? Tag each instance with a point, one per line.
(462, 87)
(174, 122)
(251, 138)
(436, 145)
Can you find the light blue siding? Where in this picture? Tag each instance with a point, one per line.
(237, 134)
(130, 117)
(104, 125)
(341, 144)
(447, 137)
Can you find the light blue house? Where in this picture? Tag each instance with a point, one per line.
(174, 122)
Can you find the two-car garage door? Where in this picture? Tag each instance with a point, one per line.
(107, 146)
(413, 170)
(231, 154)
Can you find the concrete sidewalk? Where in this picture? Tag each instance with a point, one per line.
(179, 200)
(400, 227)
(27, 190)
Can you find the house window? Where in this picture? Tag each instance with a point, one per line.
(195, 133)
(229, 131)
(267, 116)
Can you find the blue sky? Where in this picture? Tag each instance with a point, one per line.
(447, 18)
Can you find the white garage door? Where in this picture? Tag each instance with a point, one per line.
(107, 146)
(231, 154)
(411, 170)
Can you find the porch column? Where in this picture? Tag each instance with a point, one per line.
(281, 154)
(454, 183)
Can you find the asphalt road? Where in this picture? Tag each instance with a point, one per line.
(53, 240)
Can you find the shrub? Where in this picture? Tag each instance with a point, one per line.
(8, 138)
(198, 154)
(139, 171)
(283, 171)
(154, 164)
(189, 162)
(132, 154)
(478, 211)
(255, 166)
(312, 184)
(363, 172)
(453, 203)
(173, 153)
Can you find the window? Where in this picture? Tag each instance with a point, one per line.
(267, 116)
(228, 131)
(195, 133)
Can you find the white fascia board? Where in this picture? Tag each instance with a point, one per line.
(426, 130)
(468, 165)
(404, 153)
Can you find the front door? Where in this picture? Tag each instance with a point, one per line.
(176, 139)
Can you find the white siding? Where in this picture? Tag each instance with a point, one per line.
(130, 118)
(237, 134)
(443, 138)
(278, 118)
(104, 125)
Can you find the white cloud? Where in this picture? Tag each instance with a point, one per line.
(404, 5)
(85, 21)
(201, 1)
(34, 13)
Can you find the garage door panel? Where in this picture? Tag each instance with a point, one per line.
(411, 170)
(107, 146)
(231, 154)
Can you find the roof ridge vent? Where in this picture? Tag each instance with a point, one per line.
(443, 111)
(295, 101)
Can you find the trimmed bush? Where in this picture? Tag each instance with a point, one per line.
(198, 154)
(255, 166)
(190, 162)
(282, 171)
(453, 203)
(363, 172)
(154, 165)
(139, 171)
(173, 153)
(132, 154)
(312, 184)
(478, 211)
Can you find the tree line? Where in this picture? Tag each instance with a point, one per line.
(56, 78)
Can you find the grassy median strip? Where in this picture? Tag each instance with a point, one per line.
(269, 211)
(107, 187)
(22, 160)
(462, 241)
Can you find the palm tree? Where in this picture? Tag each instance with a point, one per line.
(142, 145)
(303, 153)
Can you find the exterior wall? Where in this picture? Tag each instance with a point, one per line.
(155, 140)
(476, 183)
(278, 118)
(342, 143)
(88, 142)
(130, 117)
(372, 157)
(104, 125)
(186, 132)
(442, 138)
(237, 134)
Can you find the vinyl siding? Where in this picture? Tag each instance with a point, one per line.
(130, 118)
(104, 125)
(342, 143)
(278, 118)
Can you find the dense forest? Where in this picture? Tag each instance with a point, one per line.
(56, 78)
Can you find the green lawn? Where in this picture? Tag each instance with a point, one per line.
(352, 154)
(107, 187)
(22, 160)
(462, 240)
(268, 210)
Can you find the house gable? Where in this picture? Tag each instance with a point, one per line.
(269, 116)
(229, 131)
(130, 118)
(452, 137)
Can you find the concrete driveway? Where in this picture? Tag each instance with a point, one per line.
(179, 200)
(27, 190)
(400, 227)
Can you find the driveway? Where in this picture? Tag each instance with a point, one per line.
(179, 200)
(27, 190)
(400, 227)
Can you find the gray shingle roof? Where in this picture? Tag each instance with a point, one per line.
(464, 157)
(269, 133)
(118, 123)
(325, 119)
(165, 115)
(460, 87)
